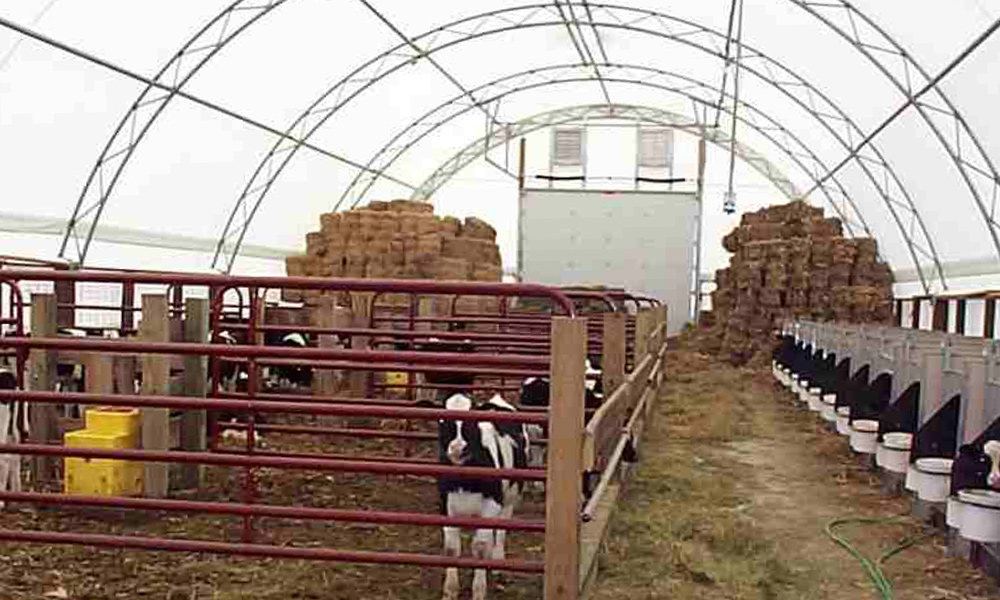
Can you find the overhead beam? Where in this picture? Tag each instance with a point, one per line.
(910, 101)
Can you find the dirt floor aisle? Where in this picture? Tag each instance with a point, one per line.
(734, 489)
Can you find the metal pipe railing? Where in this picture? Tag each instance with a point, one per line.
(265, 551)
(277, 462)
(278, 512)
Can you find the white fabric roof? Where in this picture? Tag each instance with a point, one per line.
(817, 77)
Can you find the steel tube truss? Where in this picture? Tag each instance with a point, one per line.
(699, 93)
(909, 76)
(132, 128)
(640, 114)
(895, 197)
(860, 31)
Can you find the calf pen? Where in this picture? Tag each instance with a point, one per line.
(935, 396)
(572, 528)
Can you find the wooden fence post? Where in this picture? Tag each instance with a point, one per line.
(65, 295)
(643, 329)
(328, 315)
(915, 315)
(564, 485)
(194, 423)
(42, 377)
(155, 327)
(362, 307)
(613, 359)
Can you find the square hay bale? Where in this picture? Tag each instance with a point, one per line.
(408, 206)
(447, 268)
(329, 223)
(486, 272)
(378, 205)
(478, 229)
(315, 243)
(295, 265)
(451, 227)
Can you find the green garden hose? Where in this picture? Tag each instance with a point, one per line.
(874, 569)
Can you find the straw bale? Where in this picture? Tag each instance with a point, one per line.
(407, 206)
(378, 205)
(451, 227)
(478, 229)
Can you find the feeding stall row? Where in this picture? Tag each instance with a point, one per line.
(920, 407)
(159, 441)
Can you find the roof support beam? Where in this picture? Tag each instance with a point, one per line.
(77, 220)
(424, 55)
(931, 85)
(582, 49)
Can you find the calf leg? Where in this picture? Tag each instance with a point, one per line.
(482, 547)
(4, 474)
(500, 538)
(452, 547)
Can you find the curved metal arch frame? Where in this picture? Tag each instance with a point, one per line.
(964, 138)
(375, 70)
(147, 107)
(427, 189)
(423, 127)
(626, 112)
(855, 37)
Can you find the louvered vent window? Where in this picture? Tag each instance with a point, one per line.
(567, 147)
(656, 148)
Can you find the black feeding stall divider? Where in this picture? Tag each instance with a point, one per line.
(972, 467)
(938, 437)
(783, 354)
(873, 399)
(840, 379)
(903, 414)
(855, 385)
(825, 374)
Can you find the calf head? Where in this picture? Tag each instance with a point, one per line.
(992, 450)
(458, 438)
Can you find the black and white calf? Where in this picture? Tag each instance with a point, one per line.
(233, 377)
(290, 375)
(498, 445)
(13, 422)
(535, 393)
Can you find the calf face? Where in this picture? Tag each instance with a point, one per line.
(992, 450)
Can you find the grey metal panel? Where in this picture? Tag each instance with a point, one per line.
(642, 241)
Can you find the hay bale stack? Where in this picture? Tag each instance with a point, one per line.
(399, 239)
(790, 261)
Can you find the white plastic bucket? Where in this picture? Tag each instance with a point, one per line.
(934, 479)
(864, 436)
(896, 451)
(954, 512)
(844, 420)
(815, 402)
(980, 515)
(829, 412)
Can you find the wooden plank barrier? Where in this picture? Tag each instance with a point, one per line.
(155, 382)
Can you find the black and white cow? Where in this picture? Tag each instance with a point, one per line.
(289, 375)
(233, 377)
(13, 421)
(535, 393)
(498, 445)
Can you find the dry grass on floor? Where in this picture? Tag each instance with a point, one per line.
(734, 488)
(682, 529)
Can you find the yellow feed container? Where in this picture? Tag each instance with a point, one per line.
(106, 428)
